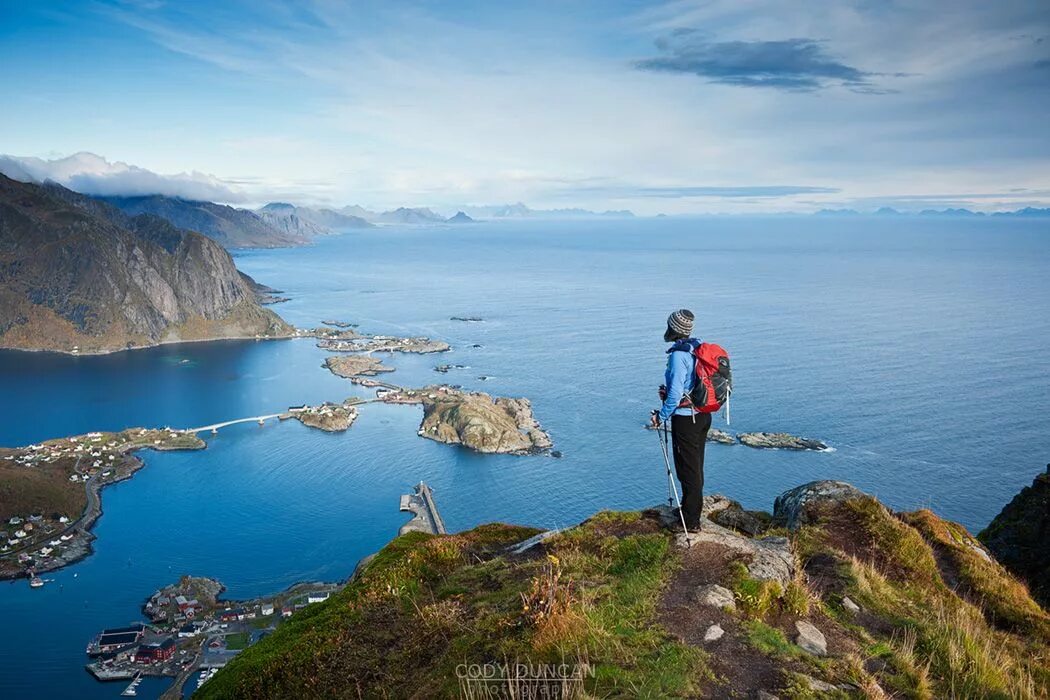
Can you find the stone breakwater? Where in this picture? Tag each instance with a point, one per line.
(475, 420)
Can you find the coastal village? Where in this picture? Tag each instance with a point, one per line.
(190, 630)
(51, 494)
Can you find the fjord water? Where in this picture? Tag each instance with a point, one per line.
(917, 348)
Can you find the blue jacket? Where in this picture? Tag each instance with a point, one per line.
(679, 378)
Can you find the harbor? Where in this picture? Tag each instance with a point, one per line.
(192, 632)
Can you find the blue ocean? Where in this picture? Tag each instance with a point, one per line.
(918, 348)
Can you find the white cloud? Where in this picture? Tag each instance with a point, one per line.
(92, 174)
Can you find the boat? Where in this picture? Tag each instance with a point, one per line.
(36, 582)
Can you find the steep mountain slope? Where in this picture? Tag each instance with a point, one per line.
(1019, 536)
(232, 228)
(844, 599)
(75, 273)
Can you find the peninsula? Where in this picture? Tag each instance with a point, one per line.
(50, 493)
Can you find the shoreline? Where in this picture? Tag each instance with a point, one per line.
(99, 353)
(331, 334)
(79, 546)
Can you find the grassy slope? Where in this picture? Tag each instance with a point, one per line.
(600, 593)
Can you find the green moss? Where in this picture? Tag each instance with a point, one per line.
(754, 598)
(770, 640)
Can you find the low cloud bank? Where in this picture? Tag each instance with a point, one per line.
(92, 174)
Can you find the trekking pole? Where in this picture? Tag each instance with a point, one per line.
(671, 488)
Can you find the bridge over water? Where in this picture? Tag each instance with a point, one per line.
(214, 427)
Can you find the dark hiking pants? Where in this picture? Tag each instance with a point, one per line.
(688, 439)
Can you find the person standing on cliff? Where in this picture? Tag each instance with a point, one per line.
(688, 426)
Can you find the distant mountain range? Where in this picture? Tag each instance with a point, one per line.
(78, 274)
(521, 211)
(304, 222)
(405, 215)
(233, 228)
(1027, 212)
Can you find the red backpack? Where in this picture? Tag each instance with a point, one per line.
(714, 379)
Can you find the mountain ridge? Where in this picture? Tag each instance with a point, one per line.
(79, 275)
(229, 226)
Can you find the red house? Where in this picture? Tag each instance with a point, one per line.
(152, 653)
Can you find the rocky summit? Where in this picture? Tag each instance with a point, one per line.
(78, 275)
(853, 601)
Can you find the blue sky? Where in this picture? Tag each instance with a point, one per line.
(719, 106)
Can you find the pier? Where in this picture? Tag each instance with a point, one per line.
(427, 519)
(132, 688)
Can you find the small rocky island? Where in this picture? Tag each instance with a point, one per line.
(780, 441)
(330, 417)
(445, 369)
(349, 340)
(475, 420)
(766, 441)
(350, 366)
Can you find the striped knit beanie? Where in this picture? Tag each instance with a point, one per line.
(681, 323)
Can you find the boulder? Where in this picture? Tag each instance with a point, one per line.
(810, 638)
(714, 633)
(850, 605)
(1019, 537)
(818, 686)
(780, 441)
(715, 596)
(769, 558)
(804, 504)
(749, 522)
